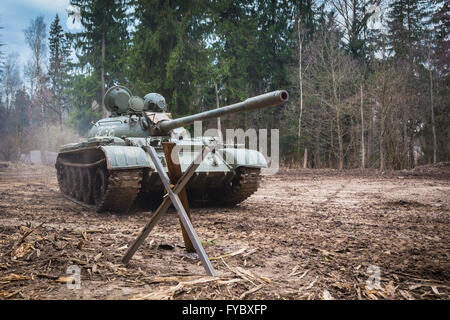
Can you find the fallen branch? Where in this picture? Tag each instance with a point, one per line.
(246, 293)
(167, 294)
(170, 279)
(170, 292)
(48, 276)
(13, 277)
(246, 275)
(240, 274)
(22, 239)
(225, 255)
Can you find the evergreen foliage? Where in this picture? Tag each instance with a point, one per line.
(358, 90)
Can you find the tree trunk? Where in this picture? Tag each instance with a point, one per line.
(363, 148)
(382, 164)
(371, 134)
(340, 140)
(103, 75)
(219, 125)
(60, 119)
(317, 145)
(338, 122)
(300, 84)
(331, 150)
(432, 110)
(382, 138)
(305, 159)
(59, 105)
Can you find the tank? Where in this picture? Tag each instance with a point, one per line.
(111, 171)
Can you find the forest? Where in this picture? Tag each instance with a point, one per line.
(368, 79)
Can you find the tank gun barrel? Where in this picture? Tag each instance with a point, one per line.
(258, 102)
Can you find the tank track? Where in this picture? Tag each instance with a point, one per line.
(93, 186)
(123, 187)
(243, 185)
(98, 188)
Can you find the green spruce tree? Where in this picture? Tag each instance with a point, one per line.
(169, 56)
(101, 45)
(407, 28)
(58, 69)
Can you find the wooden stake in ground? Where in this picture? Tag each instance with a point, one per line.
(172, 196)
(174, 170)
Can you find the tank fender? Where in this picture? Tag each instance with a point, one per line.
(125, 157)
(243, 157)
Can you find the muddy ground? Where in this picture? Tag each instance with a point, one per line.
(306, 234)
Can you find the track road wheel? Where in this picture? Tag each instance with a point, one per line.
(78, 183)
(71, 186)
(67, 182)
(100, 187)
(243, 185)
(86, 186)
(62, 179)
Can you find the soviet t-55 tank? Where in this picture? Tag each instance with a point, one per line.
(111, 169)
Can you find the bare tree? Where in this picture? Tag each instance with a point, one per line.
(385, 89)
(35, 36)
(11, 80)
(301, 37)
(332, 79)
(363, 148)
(432, 104)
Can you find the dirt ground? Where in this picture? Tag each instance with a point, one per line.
(306, 234)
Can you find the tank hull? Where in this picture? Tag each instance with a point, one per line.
(113, 177)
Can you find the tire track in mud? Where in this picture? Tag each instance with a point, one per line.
(335, 194)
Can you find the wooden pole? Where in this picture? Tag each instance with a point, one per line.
(175, 173)
(162, 209)
(181, 212)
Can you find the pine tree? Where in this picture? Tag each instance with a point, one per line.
(407, 28)
(235, 48)
(102, 44)
(439, 73)
(252, 50)
(441, 22)
(169, 56)
(58, 70)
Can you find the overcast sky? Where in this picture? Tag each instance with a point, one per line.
(15, 16)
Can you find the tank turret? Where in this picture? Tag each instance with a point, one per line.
(120, 102)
